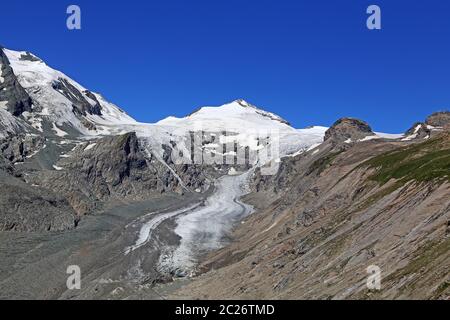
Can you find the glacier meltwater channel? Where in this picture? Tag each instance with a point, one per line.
(202, 228)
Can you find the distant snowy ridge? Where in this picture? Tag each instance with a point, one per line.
(64, 108)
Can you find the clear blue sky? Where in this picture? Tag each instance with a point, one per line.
(309, 61)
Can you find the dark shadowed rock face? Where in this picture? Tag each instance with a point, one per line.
(435, 122)
(11, 91)
(119, 165)
(29, 57)
(419, 130)
(115, 167)
(111, 165)
(88, 176)
(16, 148)
(97, 108)
(348, 128)
(439, 119)
(81, 107)
(115, 158)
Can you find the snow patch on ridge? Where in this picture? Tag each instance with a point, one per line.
(90, 146)
(1, 73)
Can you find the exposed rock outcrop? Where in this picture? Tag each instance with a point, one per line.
(433, 124)
(419, 130)
(16, 148)
(12, 94)
(439, 119)
(81, 106)
(115, 167)
(348, 129)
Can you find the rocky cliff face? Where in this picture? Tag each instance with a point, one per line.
(348, 129)
(434, 124)
(16, 148)
(12, 94)
(439, 119)
(337, 139)
(87, 176)
(80, 105)
(111, 168)
(334, 211)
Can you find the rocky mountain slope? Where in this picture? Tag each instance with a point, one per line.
(335, 210)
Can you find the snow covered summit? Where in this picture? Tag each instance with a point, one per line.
(40, 100)
(58, 102)
(230, 114)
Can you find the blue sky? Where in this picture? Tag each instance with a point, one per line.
(311, 62)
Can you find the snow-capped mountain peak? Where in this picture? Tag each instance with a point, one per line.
(237, 108)
(59, 101)
(246, 124)
(237, 115)
(53, 104)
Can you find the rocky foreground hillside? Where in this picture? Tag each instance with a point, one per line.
(355, 201)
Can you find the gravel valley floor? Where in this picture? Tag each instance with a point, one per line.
(34, 265)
